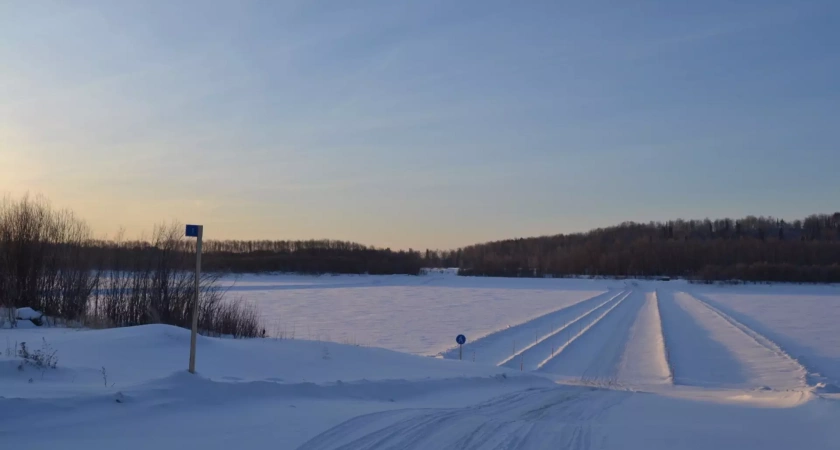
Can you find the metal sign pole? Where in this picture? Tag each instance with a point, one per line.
(460, 340)
(198, 232)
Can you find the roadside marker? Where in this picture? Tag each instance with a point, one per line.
(196, 231)
(461, 340)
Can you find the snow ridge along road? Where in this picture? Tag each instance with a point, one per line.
(803, 327)
(497, 348)
(536, 356)
(569, 326)
(644, 361)
(774, 366)
(611, 339)
(707, 348)
(594, 355)
(643, 338)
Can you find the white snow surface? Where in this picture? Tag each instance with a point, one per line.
(802, 320)
(709, 347)
(27, 314)
(414, 314)
(610, 365)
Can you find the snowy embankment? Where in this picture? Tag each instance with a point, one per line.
(647, 365)
(127, 388)
(114, 386)
(712, 349)
(135, 355)
(801, 320)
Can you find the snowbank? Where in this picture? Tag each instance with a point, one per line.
(28, 314)
(138, 354)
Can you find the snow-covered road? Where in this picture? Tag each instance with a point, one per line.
(540, 418)
(709, 348)
(647, 335)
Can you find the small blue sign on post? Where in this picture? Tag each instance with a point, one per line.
(461, 340)
(192, 231)
(196, 231)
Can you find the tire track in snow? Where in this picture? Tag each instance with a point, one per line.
(536, 348)
(559, 417)
(498, 346)
(606, 366)
(665, 347)
(593, 354)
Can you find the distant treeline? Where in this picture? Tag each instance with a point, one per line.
(312, 256)
(48, 260)
(306, 257)
(749, 249)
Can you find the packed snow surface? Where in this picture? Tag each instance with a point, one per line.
(27, 314)
(580, 364)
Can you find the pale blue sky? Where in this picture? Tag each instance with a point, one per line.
(419, 124)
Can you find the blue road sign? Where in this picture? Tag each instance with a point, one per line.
(192, 230)
(461, 339)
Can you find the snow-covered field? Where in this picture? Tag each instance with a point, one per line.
(404, 313)
(580, 364)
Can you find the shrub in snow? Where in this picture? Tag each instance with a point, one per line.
(49, 263)
(8, 317)
(105, 379)
(43, 358)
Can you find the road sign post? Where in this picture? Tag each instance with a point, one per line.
(196, 231)
(461, 340)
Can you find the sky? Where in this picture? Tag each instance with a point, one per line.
(419, 124)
